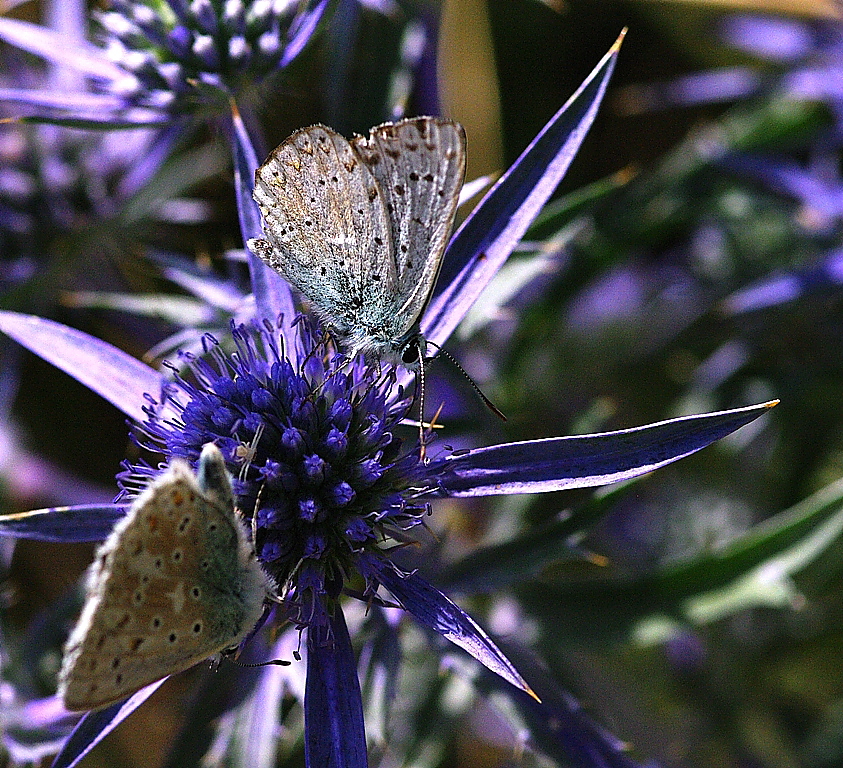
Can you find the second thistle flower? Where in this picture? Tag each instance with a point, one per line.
(171, 49)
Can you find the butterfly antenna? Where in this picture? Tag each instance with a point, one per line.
(273, 662)
(255, 516)
(324, 337)
(422, 445)
(488, 403)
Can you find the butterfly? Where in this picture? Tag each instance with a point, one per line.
(360, 227)
(176, 582)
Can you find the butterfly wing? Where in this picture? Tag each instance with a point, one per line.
(175, 583)
(419, 163)
(326, 225)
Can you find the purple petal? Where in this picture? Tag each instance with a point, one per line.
(438, 612)
(487, 237)
(88, 522)
(81, 109)
(69, 19)
(385, 7)
(30, 476)
(775, 290)
(788, 178)
(788, 286)
(104, 369)
(59, 49)
(558, 725)
(217, 292)
(304, 29)
(179, 310)
(73, 100)
(816, 83)
(95, 726)
(559, 463)
(260, 716)
(713, 86)
(777, 39)
(380, 669)
(709, 87)
(473, 187)
(213, 291)
(334, 736)
(273, 296)
(35, 730)
(160, 192)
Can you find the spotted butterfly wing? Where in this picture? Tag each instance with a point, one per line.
(419, 164)
(176, 582)
(360, 227)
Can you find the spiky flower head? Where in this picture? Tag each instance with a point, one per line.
(318, 469)
(182, 50)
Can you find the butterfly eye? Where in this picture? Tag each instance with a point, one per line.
(410, 354)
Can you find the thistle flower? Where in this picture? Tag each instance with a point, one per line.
(154, 60)
(330, 489)
(68, 194)
(318, 467)
(55, 183)
(327, 484)
(170, 50)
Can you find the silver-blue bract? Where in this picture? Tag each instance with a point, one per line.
(360, 226)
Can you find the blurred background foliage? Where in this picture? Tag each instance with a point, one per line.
(691, 261)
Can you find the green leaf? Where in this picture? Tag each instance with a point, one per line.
(527, 555)
(754, 569)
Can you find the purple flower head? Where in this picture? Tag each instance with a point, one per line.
(153, 60)
(318, 470)
(55, 181)
(169, 51)
(65, 193)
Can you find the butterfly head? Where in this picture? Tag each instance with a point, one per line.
(407, 351)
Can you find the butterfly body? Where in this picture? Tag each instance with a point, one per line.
(176, 582)
(360, 226)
